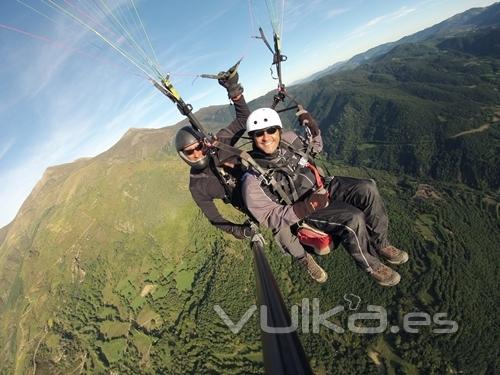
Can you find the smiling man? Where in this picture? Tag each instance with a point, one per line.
(292, 191)
(263, 202)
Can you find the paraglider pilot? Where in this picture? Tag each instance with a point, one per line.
(216, 175)
(346, 208)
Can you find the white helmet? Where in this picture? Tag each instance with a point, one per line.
(263, 118)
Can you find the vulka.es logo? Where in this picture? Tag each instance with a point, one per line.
(235, 328)
(313, 319)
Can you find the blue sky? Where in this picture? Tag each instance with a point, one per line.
(64, 94)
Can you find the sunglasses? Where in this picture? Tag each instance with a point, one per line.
(260, 133)
(192, 150)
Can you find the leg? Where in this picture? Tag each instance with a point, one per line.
(289, 243)
(349, 223)
(364, 195)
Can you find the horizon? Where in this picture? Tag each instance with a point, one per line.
(59, 118)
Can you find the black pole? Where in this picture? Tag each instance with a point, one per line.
(283, 352)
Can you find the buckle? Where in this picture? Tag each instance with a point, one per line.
(303, 162)
(263, 178)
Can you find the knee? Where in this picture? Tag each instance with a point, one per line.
(368, 187)
(357, 219)
(289, 243)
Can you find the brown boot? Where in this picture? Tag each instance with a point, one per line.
(394, 255)
(314, 270)
(385, 276)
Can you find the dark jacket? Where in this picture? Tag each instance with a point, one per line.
(205, 185)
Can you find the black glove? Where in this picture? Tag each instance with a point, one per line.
(242, 231)
(306, 119)
(234, 89)
(314, 202)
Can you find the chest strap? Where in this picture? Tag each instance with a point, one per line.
(264, 175)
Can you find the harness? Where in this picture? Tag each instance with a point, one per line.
(227, 181)
(289, 175)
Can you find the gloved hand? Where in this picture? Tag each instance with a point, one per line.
(242, 231)
(315, 201)
(234, 89)
(306, 119)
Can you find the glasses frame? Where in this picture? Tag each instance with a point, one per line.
(270, 131)
(192, 150)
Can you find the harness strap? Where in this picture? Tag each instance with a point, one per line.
(305, 155)
(317, 176)
(277, 187)
(219, 172)
(221, 179)
(264, 175)
(293, 190)
(295, 196)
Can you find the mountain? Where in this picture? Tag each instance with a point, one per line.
(425, 109)
(109, 267)
(3, 233)
(470, 20)
(212, 117)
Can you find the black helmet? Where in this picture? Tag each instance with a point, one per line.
(187, 136)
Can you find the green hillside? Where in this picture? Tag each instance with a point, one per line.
(422, 109)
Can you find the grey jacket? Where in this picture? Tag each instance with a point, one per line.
(264, 209)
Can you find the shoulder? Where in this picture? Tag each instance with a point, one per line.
(200, 180)
(250, 182)
(293, 139)
(196, 175)
(289, 136)
(249, 177)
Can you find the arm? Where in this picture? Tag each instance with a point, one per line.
(233, 132)
(213, 215)
(317, 143)
(204, 191)
(267, 212)
(305, 119)
(274, 215)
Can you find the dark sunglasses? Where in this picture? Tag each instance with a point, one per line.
(260, 133)
(192, 150)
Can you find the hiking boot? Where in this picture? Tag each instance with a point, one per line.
(321, 242)
(394, 255)
(313, 268)
(385, 276)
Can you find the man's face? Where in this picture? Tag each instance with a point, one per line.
(194, 152)
(267, 140)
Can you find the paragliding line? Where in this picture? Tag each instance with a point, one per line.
(103, 38)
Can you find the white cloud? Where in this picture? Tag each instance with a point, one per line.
(365, 28)
(176, 55)
(298, 11)
(336, 12)
(201, 95)
(6, 147)
(401, 13)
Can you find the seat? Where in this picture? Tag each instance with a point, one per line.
(321, 242)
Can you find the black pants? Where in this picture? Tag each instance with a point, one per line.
(356, 215)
